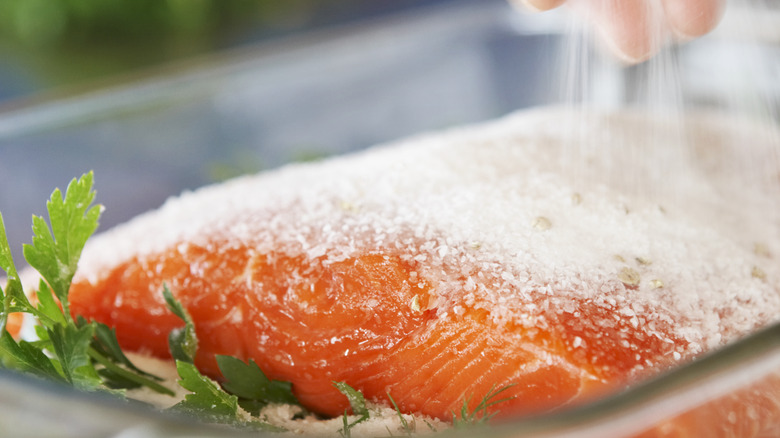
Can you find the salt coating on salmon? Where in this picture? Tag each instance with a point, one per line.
(439, 267)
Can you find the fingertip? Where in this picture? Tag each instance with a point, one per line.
(629, 31)
(634, 55)
(541, 5)
(629, 51)
(693, 18)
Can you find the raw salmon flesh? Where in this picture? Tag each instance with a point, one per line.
(437, 268)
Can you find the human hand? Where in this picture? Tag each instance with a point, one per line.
(633, 29)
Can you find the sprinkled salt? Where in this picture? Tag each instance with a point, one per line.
(758, 273)
(629, 277)
(643, 261)
(541, 223)
(762, 250)
(462, 207)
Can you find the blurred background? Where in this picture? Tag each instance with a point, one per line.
(162, 96)
(51, 44)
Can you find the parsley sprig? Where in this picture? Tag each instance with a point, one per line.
(87, 354)
(83, 354)
(358, 404)
(244, 384)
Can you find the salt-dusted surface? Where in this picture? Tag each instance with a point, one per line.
(492, 223)
(383, 421)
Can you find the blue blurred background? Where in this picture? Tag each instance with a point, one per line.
(162, 96)
(54, 44)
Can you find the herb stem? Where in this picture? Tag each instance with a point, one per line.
(151, 384)
(404, 424)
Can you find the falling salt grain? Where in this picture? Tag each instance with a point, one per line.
(758, 273)
(629, 277)
(541, 223)
(348, 206)
(761, 250)
(656, 284)
(643, 261)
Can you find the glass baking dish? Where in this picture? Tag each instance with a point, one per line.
(331, 92)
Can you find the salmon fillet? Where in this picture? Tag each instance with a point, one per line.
(440, 267)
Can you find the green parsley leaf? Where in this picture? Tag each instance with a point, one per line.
(407, 428)
(358, 404)
(208, 402)
(207, 399)
(6, 258)
(70, 345)
(253, 388)
(55, 252)
(183, 342)
(355, 397)
(14, 299)
(27, 357)
(117, 381)
(346, 429)
(120, 377)
(66, 350)
(106, 343)
(48, 311)
(479, 415)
